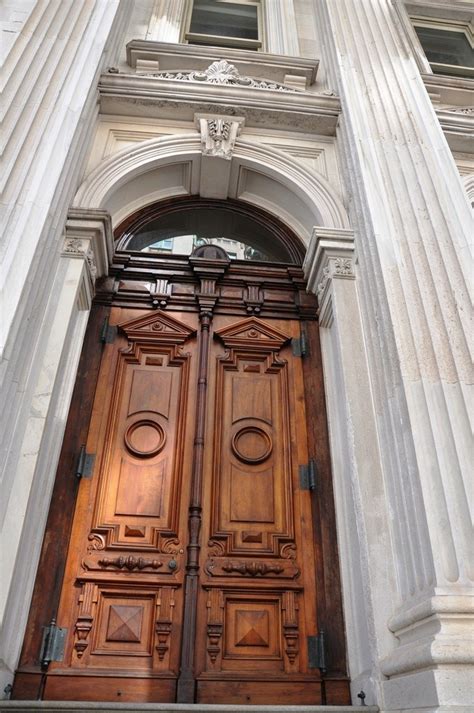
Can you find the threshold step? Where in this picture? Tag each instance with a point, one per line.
(90, 707)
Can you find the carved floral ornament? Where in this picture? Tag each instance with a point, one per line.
(335, 267)
(466, 110)
(223, 73)
(78, 248)
(218, 134)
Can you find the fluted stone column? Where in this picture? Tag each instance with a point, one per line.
(166, 21)
(412, 226)
(51, 69)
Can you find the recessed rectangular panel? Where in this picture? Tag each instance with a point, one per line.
(253, 468)
(150, 391)
(251, 496)
(140, 489)
(251, 398)
(140, 474)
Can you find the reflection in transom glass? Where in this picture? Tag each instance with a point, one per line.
(179, 232)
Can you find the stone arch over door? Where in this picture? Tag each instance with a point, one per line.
(267, 178)
(138, 176)
(165, 167)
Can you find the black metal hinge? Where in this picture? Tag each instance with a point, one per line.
(52, 645)
(107, 333)
(85, 464)
(317, 652)
(300, 345)
(308, 475)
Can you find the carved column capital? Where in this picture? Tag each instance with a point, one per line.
(88, 237)
(330, 256)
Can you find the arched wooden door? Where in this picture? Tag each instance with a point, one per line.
(191, 572)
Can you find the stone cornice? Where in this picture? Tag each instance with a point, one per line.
(153, 97)
(449, 89)
(457, 123)
(172, 57)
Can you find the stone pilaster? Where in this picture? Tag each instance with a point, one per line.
(367, 569)
(166, 22)
(412, 227)
(280, 26)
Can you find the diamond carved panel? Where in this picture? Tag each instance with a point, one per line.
(124, 627)
(251, 628)
(252, 631)
(125, 623)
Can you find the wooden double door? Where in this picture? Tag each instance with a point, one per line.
(191, 571)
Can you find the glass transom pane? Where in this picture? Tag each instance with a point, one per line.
(181, 231)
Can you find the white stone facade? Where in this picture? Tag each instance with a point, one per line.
(341, 131)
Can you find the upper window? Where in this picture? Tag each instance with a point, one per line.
(225, 23)
(448, 46)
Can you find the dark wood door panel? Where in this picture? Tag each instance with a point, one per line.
(257, 598)
(191, 568)
(122, 600)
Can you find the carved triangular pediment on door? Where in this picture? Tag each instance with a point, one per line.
(158, 327)
(252, 332)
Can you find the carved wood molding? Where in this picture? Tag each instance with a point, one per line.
(252, 332)
(130, 563)
(157, 327)
(84, 622)
(286, 569)
(165, 604)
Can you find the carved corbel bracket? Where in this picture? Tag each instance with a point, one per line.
(218, 135)
(330, 256)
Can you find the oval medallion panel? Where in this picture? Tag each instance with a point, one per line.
(251, 444)
(145, 438)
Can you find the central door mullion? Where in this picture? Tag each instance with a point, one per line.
(186, 688)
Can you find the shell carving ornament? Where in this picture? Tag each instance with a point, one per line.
(223, 73)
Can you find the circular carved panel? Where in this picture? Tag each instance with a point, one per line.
(145, 438)
(251, 444)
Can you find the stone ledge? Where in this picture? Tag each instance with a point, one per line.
(87, 707)
(171, 56)
(157, 98)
